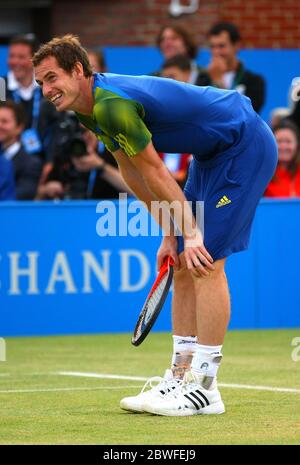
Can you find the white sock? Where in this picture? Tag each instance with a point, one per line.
(206, 362)
(183, 350)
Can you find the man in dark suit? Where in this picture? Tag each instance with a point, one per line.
(7, 182)
(27, 168)
(226, 71)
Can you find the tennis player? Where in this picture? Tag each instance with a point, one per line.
(234, 158)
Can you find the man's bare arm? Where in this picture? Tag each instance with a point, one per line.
(133, 178)
(150, 180)
(161, 183)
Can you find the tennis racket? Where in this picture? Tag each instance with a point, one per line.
(154, 302)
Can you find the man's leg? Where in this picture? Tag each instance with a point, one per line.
(213, 314)
(184, 321)
(201, 306)
(213, 305)
(184, 302)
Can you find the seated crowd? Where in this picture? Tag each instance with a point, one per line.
(46, 155)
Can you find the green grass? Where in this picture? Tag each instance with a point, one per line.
(92, 415)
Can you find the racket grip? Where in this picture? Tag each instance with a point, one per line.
(170, 261)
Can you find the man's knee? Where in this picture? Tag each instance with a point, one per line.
(217, 273)
(182, 277)
(184, 274)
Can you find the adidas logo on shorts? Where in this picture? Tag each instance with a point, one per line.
(223, 201)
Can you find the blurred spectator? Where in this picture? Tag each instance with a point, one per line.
(176, 40)
(286, 180)
(97, 61)
(83, 170)
(27, 168)
(22, 88)
(177, 67)
(226, 71)
(7, 182)
(279, 114)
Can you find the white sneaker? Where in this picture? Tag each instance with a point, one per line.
(188, 398)
(164, 386)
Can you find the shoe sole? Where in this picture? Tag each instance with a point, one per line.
(214, 409)
(132, 409)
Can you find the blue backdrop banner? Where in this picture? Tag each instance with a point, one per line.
(58, 276)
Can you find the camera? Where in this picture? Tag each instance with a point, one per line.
(77, 147)
(70, 141)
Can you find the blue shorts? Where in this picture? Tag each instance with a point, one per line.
(231, 190)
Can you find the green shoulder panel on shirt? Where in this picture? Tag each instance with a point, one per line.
(89, 123)
(121, 121)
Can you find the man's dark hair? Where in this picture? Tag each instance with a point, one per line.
(231, 28)
(179, 61)
(17, 109)
(184, 34)
(26, 39)
(67, 51)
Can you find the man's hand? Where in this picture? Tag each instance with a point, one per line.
(88, 162)
(168, 247)
(197, 258)
(52, 190)
(216, 69)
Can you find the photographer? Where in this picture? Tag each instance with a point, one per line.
(104, 180)
(82, 168)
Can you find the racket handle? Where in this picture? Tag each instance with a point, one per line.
(170, 260)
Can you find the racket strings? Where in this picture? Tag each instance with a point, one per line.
(157, 294)
(152, 304)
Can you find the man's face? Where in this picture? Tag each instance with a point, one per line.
(9, 129)
(19, 60)
(173, 72)
(287, 145)
(58, 86)
(221, 46)
(171, 44)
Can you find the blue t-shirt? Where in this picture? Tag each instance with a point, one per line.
(179, 117)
